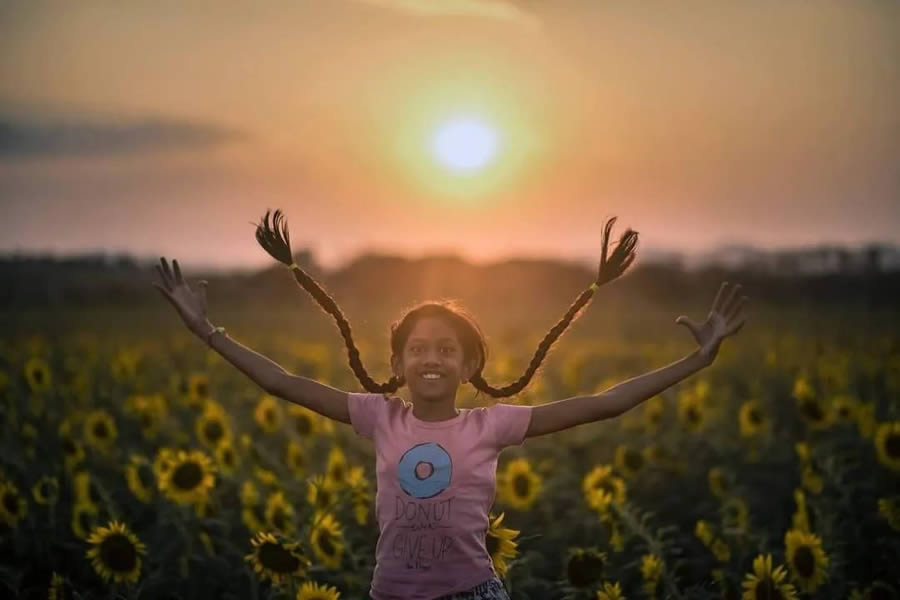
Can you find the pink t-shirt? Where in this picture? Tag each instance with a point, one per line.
(435, 484)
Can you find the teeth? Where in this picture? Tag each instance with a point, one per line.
(431, 376)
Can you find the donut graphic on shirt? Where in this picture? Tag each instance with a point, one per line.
(425, 470)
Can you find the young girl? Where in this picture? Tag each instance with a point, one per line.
(436, 463)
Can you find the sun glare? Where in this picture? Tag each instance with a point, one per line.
(464, 144)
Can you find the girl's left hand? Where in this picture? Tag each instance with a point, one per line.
(725, 318)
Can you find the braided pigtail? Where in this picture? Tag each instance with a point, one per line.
(610, 269)
(277, 242)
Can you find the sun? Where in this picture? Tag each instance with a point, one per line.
(465, 144)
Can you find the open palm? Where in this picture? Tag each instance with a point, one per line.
(190, 304)
(725, 318)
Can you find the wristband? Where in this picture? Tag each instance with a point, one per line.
(219, 329)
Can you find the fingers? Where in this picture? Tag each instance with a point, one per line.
(164, 278)
(716, 307)
(170, 280)
(179, 280)
(736, 308)
(162, 291)
(728, 305)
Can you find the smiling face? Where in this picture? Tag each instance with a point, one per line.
(433, 347)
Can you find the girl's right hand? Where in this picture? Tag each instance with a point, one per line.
(190, 304)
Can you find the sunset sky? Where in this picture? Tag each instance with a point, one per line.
(487, 128)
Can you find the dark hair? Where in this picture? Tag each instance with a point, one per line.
(276, 241)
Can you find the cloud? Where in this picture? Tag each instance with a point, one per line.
(487, 9)
(36, 137)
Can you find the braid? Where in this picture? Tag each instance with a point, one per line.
(277, 242)
(610, 268)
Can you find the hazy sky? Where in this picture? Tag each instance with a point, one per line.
(165, 128)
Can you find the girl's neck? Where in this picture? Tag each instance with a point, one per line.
(431, 411)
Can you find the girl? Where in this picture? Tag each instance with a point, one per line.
(436, 463)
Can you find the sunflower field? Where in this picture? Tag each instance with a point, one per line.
(137, 463)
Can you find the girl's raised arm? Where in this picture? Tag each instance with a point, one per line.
(266, 373)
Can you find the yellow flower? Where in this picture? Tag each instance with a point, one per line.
(584, 566)
(735, 515)
(86, 490)
(815, 412)
(719, 483)
(844, 408)
(803, 451)
(198, 389)
(629, 462)
(189, 479)
(691, 411)
(652, 413)
(767, 583)
(887, 444)
(800, 518)
(601, 488)
(38, 375)
(362, 499)
(751, 419)
(211, 426)
(279, 513)
(313, 591)
(84, 518)
(336, 469)
(100, 430)
(807, 560)
(269, 413)
(803, 389)
(249, 494)
(889, 508)
(812, 481)
(13, 506)
(326, 539)
(226, 458)
(320, 494)
(610, 591)
(275, 559)
(46, 490)
(305, 422)
(72, 452)
(721, 550)
(652, 568)
(116, 553)
(163, 462)
(704, 532)
(140, 477)
(520, 485)
(295, 458)
(500, 545)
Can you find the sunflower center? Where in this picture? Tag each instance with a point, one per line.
(634, 460)
(337, 472)
(201, 389)
(584, 569)
(101, 430)
(892, 445)
(228, 457)
(69, 447)
(813, 411)
(767, 590)
(303, 425)
(325, 543)
(118, 553)
(693, 415)
(213, 430)
(804, 561)
(38, 375)
(754, 416)
(521, 486)
(11, 503)
(187, 475)
(269, 416)
(278, 560)
(323, 498)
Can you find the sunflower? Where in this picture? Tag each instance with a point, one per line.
(249, 493)
(38, 375)
(812, 480)
(887, 443)
(735, 515)
(629, 462)
(889, 508)
(305, 422)
(719, 483)
(190, 478)
(751, 419)
(326, 539)
(72, 452)
(85, 516)
(844, 408)
(519, 484)
(269, 413)
(319, 493)
(584, 566)
(295, 458)
(266, 476)
(808, 562)
(720, 550)
(163, 462)
(362, 498)
(86, 489)
(46, 490)
(336, 469)
(60, 588)
(652, 413)
(116, 553)
(800, 520)
(610, 591)
(13, 506)
(279, 513)
(765, 583)
(601, 488)
(652, 568)
(151, 411)
(703, 532)
(197, 389)
(226, 458)
(275, 559)
(212, 427)
(815, 412)
(803, 389)
(100, 430)
(140, 477)
(313, 591)
(690, 412)
(499, 544)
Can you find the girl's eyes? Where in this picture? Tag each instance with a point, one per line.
(415, 349)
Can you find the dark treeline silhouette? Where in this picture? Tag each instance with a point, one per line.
(372, 281)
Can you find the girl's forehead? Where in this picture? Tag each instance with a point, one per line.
(432, 329)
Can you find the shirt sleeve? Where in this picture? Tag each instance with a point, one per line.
(509, 423)
(365, 409)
